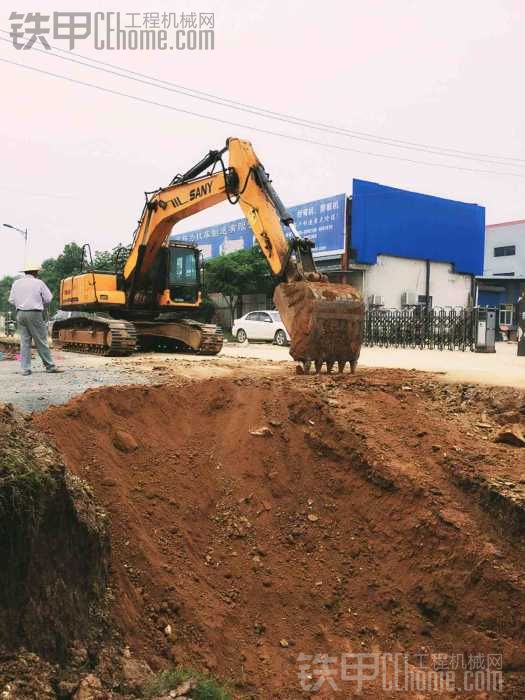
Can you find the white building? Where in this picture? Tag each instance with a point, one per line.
(503, 270)
(395, 282)
(505, 249)
(395, 279)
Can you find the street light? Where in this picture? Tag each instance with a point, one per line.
(24, 234)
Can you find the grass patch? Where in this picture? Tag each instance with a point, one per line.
(207, 687)
(24, 486)
(22, 477)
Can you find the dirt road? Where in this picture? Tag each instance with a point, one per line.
(37, 392)
(504, 368)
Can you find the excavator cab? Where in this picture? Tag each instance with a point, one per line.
(174, 280)
(183, 273)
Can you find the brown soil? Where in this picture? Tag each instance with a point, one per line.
(255, 519)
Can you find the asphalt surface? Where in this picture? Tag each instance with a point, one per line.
(41, 389)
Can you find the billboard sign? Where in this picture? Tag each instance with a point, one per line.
(323, 221)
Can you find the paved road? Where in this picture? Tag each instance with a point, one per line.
(84, 371)
(38, 391)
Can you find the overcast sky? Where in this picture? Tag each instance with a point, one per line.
(76, 161)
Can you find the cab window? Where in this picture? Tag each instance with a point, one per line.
(183, 267)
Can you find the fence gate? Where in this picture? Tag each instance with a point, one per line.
(445, 328)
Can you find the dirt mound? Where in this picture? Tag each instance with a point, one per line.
(254, 520)
(53, 546)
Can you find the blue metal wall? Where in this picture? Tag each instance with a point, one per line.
(389, 221)
(491, 298)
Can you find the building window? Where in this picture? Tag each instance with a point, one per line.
(503, 250)
(506, 314)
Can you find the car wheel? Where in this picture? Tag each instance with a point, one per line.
(241, 336)
(280, 338)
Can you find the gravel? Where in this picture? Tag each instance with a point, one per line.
(40, 390)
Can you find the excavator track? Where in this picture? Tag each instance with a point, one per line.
(212, 338)
(95, 335)
(186, 335)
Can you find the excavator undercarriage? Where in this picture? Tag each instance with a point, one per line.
(95, 334)
(115, 337)
(185, 334)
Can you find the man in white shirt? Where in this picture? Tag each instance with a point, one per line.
(29, 296)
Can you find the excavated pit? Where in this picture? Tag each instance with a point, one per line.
(253, 520)
(54, 547)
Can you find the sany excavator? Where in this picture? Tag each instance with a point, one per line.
(156, 297)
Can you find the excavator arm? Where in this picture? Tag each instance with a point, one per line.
(324, 320)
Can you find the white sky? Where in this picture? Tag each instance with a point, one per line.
(75, 162)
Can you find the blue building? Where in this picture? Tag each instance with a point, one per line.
(412, 248)
(390, 221)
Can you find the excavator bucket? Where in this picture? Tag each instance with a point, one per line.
(324, 321)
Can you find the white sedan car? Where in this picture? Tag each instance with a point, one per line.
(261, 325)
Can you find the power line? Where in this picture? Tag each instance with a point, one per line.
(256, 128)
(258, 111)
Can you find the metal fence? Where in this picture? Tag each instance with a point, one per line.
(445, 328)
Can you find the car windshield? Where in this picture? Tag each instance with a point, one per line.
(275, 316)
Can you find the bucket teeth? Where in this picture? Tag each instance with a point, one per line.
(305, 366)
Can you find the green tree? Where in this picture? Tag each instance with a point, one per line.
(104, 260)
(242, 272)
(109, 260)
(5, 288)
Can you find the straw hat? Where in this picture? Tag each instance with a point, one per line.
(31, 267)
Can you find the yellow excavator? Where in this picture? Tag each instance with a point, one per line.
(154, 301)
